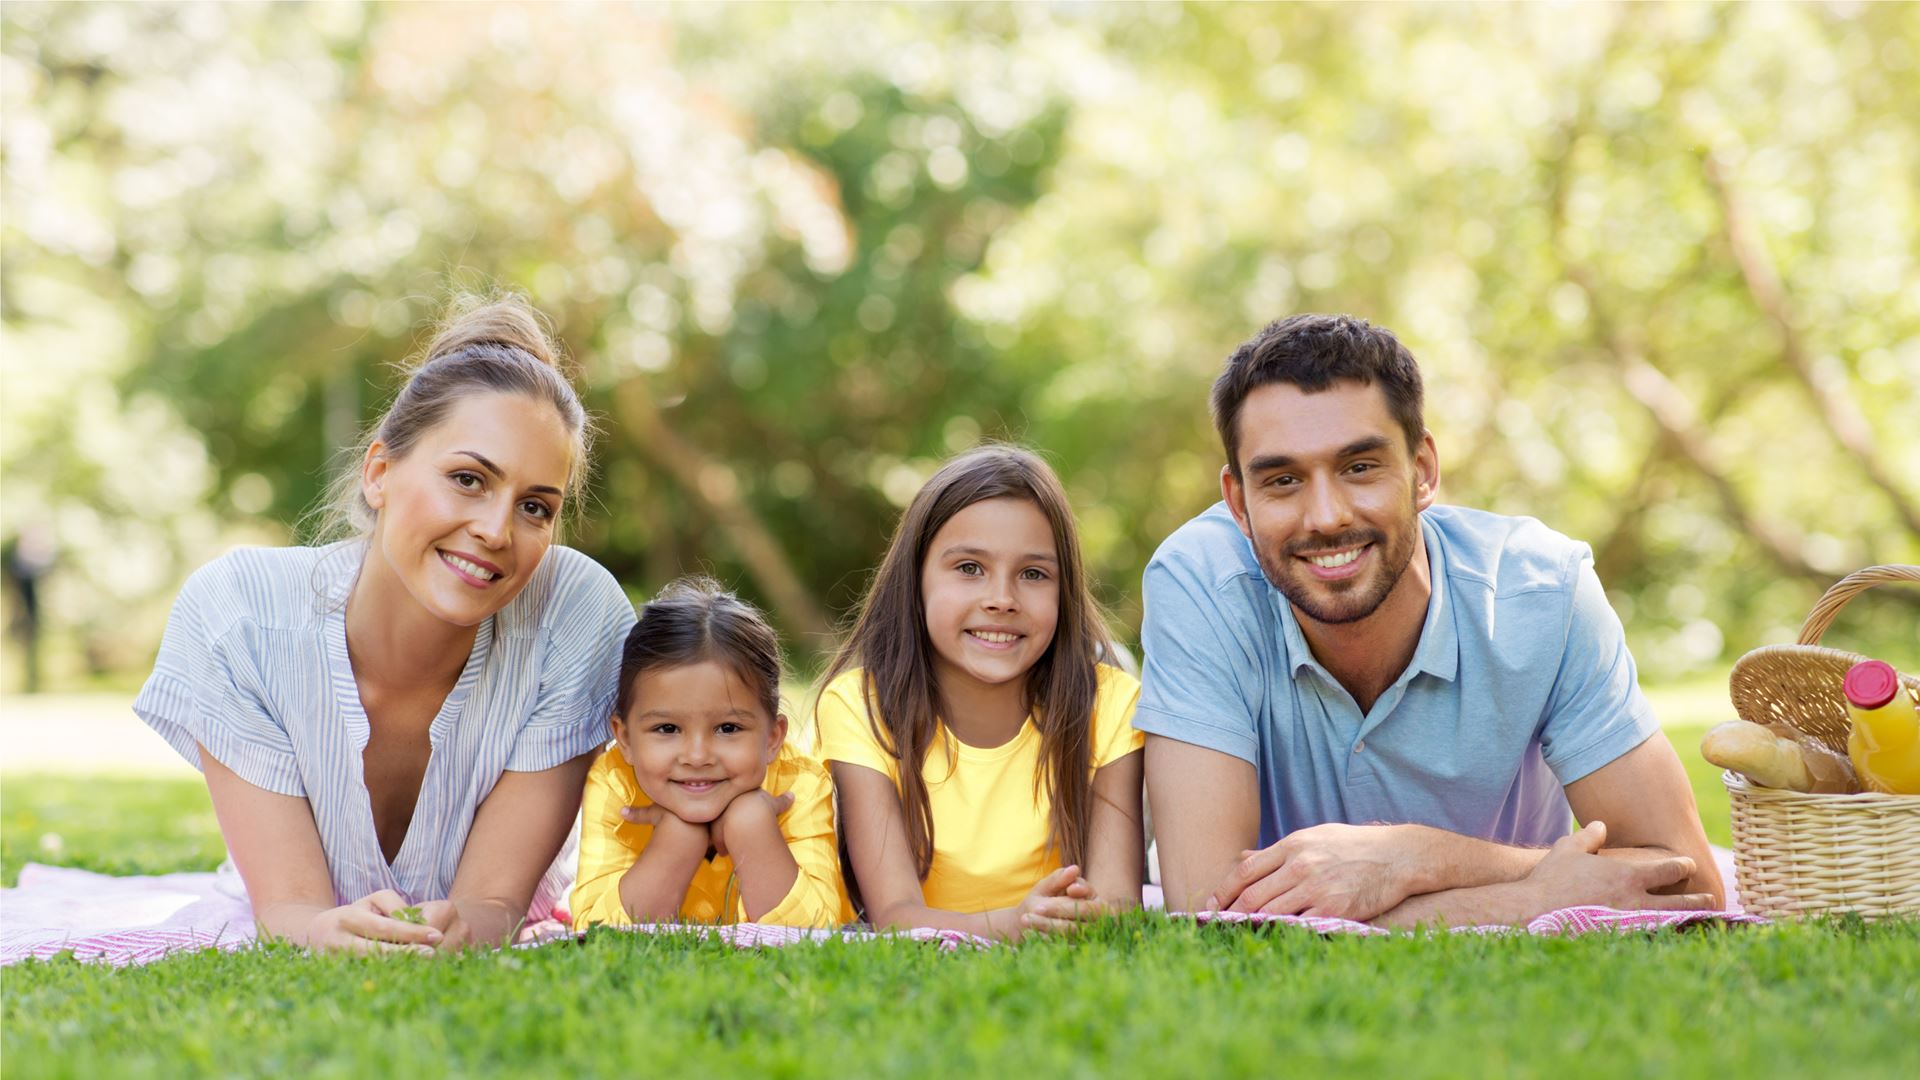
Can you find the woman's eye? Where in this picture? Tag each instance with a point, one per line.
(467, 480)
(536, 509)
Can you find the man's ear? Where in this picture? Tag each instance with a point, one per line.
(1426, 472)
(1234, 489)
(373, 475)
(776, 736)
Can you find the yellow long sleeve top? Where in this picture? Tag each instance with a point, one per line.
(609, 845)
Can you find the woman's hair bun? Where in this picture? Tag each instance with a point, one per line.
(504, 319)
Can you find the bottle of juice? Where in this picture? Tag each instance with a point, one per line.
(1885, 742)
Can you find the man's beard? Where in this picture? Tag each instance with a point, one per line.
(1351, 600)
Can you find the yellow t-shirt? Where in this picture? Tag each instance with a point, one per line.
(990, 825)
(609, 845)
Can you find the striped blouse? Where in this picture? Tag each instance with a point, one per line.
(254, 667)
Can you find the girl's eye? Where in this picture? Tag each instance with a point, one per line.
(971, 569)
(666, 729)
(730, 728)
(534, 508)
(1034, 573)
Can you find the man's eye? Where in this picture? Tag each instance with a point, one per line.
(1361, 467)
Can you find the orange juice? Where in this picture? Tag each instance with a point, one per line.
(1885, 742)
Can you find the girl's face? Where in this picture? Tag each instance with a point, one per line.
(697, 738)
(991, 589)
(467, 515)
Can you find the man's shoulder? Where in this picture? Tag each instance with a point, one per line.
(1210, 546)
(1503, 555)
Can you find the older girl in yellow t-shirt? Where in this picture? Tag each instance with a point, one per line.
(988, 770)
(702, 811)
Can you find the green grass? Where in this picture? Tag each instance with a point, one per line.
(1139, 995)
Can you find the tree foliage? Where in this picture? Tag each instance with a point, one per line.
(1659, 264)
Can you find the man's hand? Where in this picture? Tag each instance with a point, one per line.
(1574, 872)
(1338, 871)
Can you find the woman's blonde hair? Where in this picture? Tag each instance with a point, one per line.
(485, 344)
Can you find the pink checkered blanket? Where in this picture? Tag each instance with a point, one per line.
(133, 920)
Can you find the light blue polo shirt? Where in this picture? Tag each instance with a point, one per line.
(1521, 684)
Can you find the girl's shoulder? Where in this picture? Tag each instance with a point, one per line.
(1113, 686)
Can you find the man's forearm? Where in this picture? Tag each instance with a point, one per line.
(1506, 903)
(1443, 860)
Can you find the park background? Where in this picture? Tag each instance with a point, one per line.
(1658, 263)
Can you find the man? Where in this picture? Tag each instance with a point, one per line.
(1361, 704)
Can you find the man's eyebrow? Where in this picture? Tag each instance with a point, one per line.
(1369, 445)
(982, 553)
(498, 472)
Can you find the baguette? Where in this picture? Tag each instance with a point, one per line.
(1775, 761)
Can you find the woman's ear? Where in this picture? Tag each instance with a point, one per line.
(776, 736)
(373, 475)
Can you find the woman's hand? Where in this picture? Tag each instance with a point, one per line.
(368, 925)
(1058, 904)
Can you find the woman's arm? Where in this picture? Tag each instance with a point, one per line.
(276, 846)
(516, 833)
(1115, 845)
(883, 863)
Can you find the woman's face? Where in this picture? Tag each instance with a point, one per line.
(466, 516)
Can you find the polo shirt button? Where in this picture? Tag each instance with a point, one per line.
(1359, 746)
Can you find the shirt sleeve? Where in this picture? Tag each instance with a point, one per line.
(1200, 684)
(1596, 711)
(844, 732)
(609, 845)
(580, 672)
(817, 898)
(1114, 735)
(207, 688)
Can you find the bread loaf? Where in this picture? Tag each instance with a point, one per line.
(1774, 761)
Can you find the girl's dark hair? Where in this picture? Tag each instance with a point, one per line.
(889, 643)
(485, 344)
(692, 620)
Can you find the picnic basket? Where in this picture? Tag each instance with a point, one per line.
(1803, 854)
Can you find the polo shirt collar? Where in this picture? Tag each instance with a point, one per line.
(1438, 653)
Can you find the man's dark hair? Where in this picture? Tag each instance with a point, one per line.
(1313, 352)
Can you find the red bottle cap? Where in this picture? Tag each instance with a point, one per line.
(1871, 684)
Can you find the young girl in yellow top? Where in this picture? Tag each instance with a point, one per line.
(988, 770)
(701, 811)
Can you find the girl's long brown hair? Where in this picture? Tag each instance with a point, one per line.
(890, 643)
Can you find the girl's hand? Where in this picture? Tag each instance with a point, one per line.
(368, 925)
(653, 814)
(750, 810)
(1060, 903)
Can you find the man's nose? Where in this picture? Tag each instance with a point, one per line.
(1328, 510)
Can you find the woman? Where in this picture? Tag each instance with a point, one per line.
(405, 717)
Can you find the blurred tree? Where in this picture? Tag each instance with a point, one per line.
(1659, 264)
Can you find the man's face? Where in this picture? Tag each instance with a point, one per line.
(1329, 495)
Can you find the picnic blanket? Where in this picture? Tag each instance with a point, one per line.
(133, 920)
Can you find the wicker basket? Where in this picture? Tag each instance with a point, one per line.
(1799, 854)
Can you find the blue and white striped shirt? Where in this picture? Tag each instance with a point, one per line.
(254, 667)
